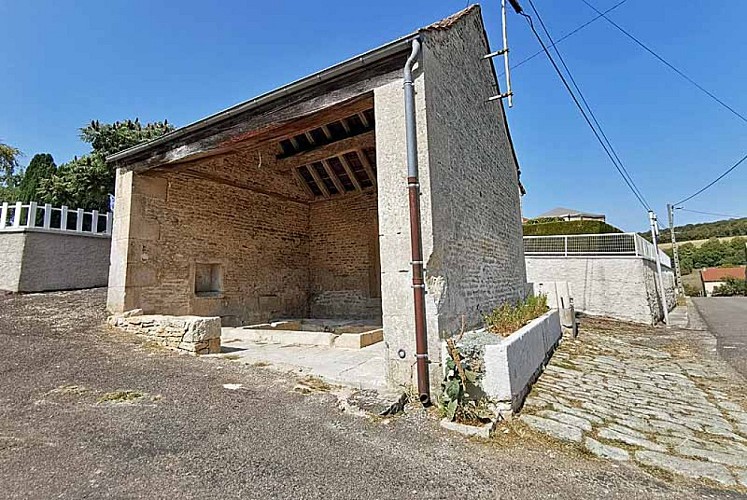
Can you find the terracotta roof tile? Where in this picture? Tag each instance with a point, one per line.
(712, 274)
(445, 24)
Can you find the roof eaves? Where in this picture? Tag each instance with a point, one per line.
(369, 57)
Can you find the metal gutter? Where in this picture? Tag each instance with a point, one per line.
(370, 57)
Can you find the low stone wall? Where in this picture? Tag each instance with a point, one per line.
(38, 260)
(508, 366)
(193, 334)
(623, 288)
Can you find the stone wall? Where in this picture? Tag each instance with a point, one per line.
(37, 260)
(279, 254)
(249, 219)
(478, 251)
(623, 288)
(193, 334)
(471, 222)
(344, 257)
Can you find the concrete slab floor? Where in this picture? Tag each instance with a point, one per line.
(360, 368)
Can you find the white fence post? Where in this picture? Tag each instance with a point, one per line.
(3, 215)
(109, 221)
(47, 215)
(565, 241)
(63, 219)
(79, 221)
(95, 221)
(31, 216)
(17, 215)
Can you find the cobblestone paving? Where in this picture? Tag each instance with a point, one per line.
(637, 394)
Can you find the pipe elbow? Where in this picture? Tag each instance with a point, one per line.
(411, 60)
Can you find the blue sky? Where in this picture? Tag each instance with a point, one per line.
(65, 63)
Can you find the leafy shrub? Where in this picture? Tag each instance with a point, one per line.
(692, 290)
(569, 227)
(507, 318)
(731, 287)
(455, 402)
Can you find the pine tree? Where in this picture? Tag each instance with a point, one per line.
(42, 167)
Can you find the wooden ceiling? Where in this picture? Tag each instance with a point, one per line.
(333, 158)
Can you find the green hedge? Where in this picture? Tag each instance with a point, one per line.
(569, 227)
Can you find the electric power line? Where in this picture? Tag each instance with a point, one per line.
(588, 107)
(581, 109)
(666, 63)
(711, 213)
(567, 35)
(714, 181)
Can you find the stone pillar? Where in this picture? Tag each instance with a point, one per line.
(130, 272)
(394, 234)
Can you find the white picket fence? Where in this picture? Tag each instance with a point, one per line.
(14, 216)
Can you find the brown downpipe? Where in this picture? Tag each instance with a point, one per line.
(416, 240)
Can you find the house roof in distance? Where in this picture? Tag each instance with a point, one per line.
(568, 212)
(715, 274)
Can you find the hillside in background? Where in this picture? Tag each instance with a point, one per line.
(704, 231)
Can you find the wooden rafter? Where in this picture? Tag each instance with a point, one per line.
(320, 153)
(367, 165)
(319, 182)
(349, 171)
(335, 180)
(302, 181)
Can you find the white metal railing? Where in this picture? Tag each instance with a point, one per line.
(574, 245)
(18, 215)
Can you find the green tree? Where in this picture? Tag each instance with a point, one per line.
(86, 182)
(41, 167)
(8, 177)
(731, 287)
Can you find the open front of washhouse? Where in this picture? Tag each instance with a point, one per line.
(291, 211)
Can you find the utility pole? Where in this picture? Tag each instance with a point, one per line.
(675, 252)
(662, 292)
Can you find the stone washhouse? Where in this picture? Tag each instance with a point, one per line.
(294, 204)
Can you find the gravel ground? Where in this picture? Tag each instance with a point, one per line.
(66, 433)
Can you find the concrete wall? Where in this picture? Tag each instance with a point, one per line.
(11, 259)
(37, 260)
(623, 288)
(471, 222)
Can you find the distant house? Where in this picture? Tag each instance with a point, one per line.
(571, 214)
(713, 277)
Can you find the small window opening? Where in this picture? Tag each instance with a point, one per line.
(208, 280)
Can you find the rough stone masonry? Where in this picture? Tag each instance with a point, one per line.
(193, 334)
